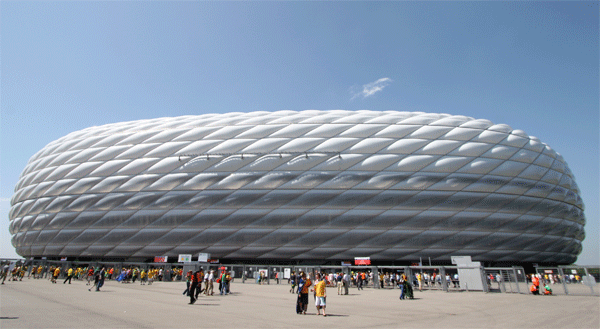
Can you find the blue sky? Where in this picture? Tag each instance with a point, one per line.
(66, 66)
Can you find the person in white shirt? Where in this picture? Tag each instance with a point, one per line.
(209, 283)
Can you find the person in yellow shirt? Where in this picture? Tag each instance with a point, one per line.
(55, 274)
(69, 276)
(320, 293)
(143, 277)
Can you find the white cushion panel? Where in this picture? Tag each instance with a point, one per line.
(300, 144)
(336, 144)
(260, 131)
(397, 131)
(363, 130)
(196, 134)
(376, 162)
(370, 145)
(328, 130)
(231, 146)
(265, 145)
(406, 146)
(439, 147)
(137, 151)
(199, 147)
(341, 162)
(430, 132)
(137, 166)
(461, 134)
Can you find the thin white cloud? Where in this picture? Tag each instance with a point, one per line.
(371, 88)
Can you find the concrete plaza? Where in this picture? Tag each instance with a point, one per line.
(41, 304)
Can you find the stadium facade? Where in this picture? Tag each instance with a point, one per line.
(300, 186)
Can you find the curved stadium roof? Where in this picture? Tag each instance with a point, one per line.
(310, 185)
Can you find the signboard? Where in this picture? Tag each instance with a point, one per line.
(184, 258)
(63, 259)
(362, 260)
(213, 261)
(287, 273)
(203, 258)
(160, 259)
(548, 271)
(346, 263)
(573, 271)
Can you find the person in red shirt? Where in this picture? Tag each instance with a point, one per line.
(193, 286)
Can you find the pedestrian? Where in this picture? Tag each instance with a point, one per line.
(101, 277)
(401, 285)
(303, 285)
(69, 276)
(210, 282)
(55, 275)
(320, 294)
(346, 283)
(193, 285)
(188, 281)
(293, 280)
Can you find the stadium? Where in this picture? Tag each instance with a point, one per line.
(308, 186)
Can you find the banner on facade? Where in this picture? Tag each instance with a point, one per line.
(203, 258)
(184, 258)
(362, 260)
(346, 263)
(160, 259)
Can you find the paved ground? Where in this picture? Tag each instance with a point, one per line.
(40, 304)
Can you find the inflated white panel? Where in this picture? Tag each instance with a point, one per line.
(472, 149)
(430, 132)
(301, 144)
(406, 146)
(294, 130)
(370, 145)
(461, 134)
(328, 130)
(231, 146)
(377, 162)
(336, 144)
(396, 131)
(265, 145)
(137, 166)
(362, 130)
(440, 147)
(414, 162)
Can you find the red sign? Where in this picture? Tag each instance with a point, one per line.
(362, 260)
(160, 259)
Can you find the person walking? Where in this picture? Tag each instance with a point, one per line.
(193, 285)
(69, 275)
(210, 283)
(401, 285)
(346, 282)
(101, 277)
(188, 281)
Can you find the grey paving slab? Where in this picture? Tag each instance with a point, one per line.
(40, 304)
